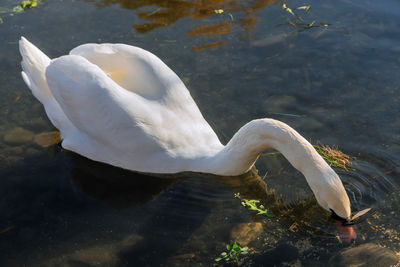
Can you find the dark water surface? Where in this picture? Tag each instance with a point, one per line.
(337, 84)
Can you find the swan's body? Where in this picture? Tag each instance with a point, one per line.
(123, 106)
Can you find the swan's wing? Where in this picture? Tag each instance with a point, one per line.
(144, 74)
(99, 108)
(133, 68)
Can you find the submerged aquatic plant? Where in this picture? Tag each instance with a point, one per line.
(253, 204)
(234, 252)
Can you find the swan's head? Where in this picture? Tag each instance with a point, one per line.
(332, 196)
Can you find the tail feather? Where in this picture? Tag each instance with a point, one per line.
(34, 64)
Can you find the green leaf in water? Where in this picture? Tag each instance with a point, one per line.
(305, 8)
(1, 21)
(310, 24)
(253, 204)
(18, 9)
(287, 9)
(223, 255)
(25, 5)
(218, 259)
(230, 15)
(299, 22)
(236, 247)
(234, 251)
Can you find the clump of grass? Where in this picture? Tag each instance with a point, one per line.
(334, 156)
(330, 154)
(234, 252)
(20, 7)
(27, 4)
(253, 204)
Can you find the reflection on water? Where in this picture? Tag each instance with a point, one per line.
(119, 188)
(334, 86)
(164, 13)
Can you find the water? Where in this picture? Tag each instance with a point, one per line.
(336, 84)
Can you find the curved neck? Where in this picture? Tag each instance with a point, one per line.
(257, 136)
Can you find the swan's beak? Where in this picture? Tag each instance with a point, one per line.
(349, 221)
(345, 228)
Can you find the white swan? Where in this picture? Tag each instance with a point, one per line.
(121, 105)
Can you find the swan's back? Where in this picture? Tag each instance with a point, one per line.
(133, 68)
(127, 108)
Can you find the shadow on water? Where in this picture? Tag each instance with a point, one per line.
(118, 187)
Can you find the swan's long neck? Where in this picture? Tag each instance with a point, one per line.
(257, 136)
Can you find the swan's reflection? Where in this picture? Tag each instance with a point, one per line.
(121, 188)
(183, 213)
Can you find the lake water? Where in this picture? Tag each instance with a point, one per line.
(337, 84)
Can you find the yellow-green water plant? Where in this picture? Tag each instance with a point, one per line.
(221, 11)
(254, 205)
(287, 9)
(20, 7)
(26, 5)
(233, 253)
(297, 21)
(331, 154)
